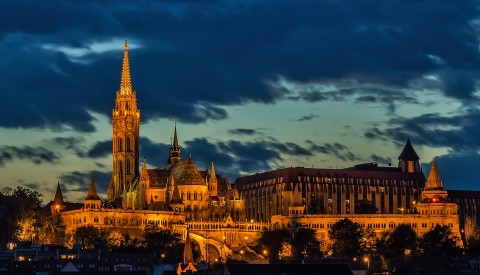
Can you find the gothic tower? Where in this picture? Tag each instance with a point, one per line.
(126, 128)
(174, 152)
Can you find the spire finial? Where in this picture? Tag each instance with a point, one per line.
(175, 139)
(125, 83)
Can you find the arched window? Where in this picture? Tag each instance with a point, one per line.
(200, 196)
(128, 167)
(188, 196)
(183, 196)
(195, 195)
(127, 143)
(120, 144)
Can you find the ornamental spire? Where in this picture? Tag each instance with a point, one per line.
(126, 82)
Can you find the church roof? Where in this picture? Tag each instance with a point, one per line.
(223, 186)
(186, 173)
(92, 191)
(408, 152)
(158, 177)
(434, 182)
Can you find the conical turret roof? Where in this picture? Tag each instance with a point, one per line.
(434, 182)
(176, 196)
(213, 176)
(58, 195)
(92, 191)
(408, 152)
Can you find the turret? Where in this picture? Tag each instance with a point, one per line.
(58, 205)
(408, 159)
(213, 183)
(92, 201)
(434, 192)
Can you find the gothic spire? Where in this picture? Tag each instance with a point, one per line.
(126, 82)
(175, 139)
(58, 195)
(174, 152)
(92, 191)
(434, 182)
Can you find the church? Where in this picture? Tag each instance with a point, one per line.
(180, 197)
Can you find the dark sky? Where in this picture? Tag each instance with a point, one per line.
(253, 85)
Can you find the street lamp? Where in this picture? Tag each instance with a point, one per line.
(367, 260)
(265, 253)
(162, 257)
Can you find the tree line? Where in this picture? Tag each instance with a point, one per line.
(399, 251)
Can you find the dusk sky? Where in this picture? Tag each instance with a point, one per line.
(253, 86)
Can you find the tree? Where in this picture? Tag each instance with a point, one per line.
(347, 237)
(439, 242)
(400, 242)
(274, 241)
(159, 241)
(90, 237)
(18, 213)
(304, 243)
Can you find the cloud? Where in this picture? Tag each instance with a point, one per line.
(227, 54)
(242, 131)
(457, 170)
(79, 181)
(336, 149)
(381, 160)
(37, 155)
(100, 149)
(459, 132)
(308, 117)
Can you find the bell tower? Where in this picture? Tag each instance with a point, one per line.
(126, 128)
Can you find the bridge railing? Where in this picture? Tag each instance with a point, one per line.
(218, 226)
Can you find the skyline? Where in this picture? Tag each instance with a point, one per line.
(253, 86)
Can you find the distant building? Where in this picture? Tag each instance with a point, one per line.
(431, 210)
(334, 191)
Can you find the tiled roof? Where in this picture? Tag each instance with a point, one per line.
(186, 173)
(158, 177)
(223, 185)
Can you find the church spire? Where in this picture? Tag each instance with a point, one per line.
(174, 152)
(175, 139)
(434, 182)
(126, 82)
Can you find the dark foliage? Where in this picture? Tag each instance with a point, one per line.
(347, 237)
